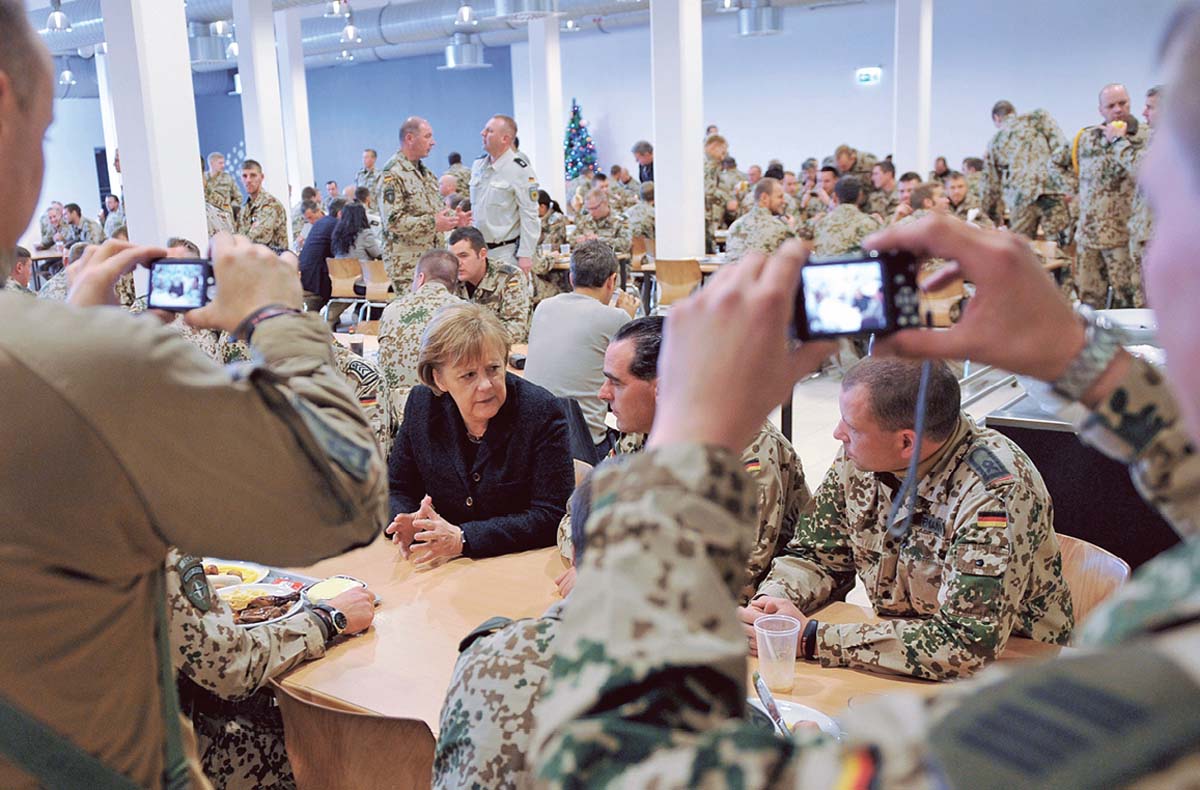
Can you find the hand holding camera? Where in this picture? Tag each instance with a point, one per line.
(249, 276)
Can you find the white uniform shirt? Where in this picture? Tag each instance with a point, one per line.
(504, 201)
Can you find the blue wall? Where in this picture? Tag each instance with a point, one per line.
(362, 106)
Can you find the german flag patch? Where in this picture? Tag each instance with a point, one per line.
(754, 466)
(996, 519)
(858, 772)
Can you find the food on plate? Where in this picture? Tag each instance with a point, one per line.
(258, 603)
(220, 571)
(332, 587)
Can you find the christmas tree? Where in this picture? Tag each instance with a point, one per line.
(578, 147)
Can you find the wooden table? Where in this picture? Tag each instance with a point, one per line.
(402, 666)
(41, 256)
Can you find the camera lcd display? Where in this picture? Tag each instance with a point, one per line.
(844, 298)
(178, 286)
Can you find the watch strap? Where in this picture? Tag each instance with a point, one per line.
(808, 640)
(1101, 343)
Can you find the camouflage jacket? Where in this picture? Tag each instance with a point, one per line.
(715, 193)
(88, 230)
(620, 199)
(218, 220)
(842, 230)
(1141, 220)
(1106, 187)
(503, 290)
(462, 179)
(13, 286)
(613, 230)
(222, 191)
(970, 211)
(400, 329)
(263, 220)
(1018, 155)
(408, 201)
(49, 230)
(368, 178)
(641, 220)
(980, 561)
(883, 203)
(554, 229)
(758, 230)
(810, 213)
(487, 718)
(372, 393)
(864, 163)
(55, 288)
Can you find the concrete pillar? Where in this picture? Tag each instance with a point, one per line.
(676, 82)
(912, 108)
(545, 83)
(108, 120)
(155, 119)
(294, 87)
(262, 111)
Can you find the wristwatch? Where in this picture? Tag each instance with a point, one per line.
(336, 619)
(1102, 341)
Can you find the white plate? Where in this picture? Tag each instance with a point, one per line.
(252, 572)
(226, 593)
(793, 713)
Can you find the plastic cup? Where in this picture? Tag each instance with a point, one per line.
(547, 250)
(565, 249)
(777, 635)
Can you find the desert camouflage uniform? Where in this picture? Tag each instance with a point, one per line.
(1015, 170)
(1106, 191)
(218, 220)
(503, 290)
(864, 163)
(55, 288)
(462, 179)
(672, 515)
(975, 186)
(222, 191)
(613, 230)
(810, 214)
(298, 221)
(970, 211)
(409, 201)
(372, 392)
(368, 178)
(578, 187)
(641, 220)
(88, 230)
(620, 199)
(13, 286)
(715, 195)
(735, 182)
(222, 670)
(1141, 220)
(263, 220)
(549, 282)
(980, 562)
(400, 329)
(216, 344)
(842, 230)
(758, 230)
(487, 718)
(883, 203)
(49, 230)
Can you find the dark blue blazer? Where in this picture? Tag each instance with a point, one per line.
(516, 492)
(314, 271)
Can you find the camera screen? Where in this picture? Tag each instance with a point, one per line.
(178, 285)
(844, 298)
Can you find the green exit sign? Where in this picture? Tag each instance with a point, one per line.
(869, 76)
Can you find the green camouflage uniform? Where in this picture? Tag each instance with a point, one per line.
(842, 230)
(372, 393)
(641, 220)
(487, 718)
(1141, 220)
(263, 220)
(1015, 170)
(400, 329)
(758, 230)
(222, 191)
(462, 179)
(613, 230)
(240, 745)
(549, 282)
(1106, 191)
(503, 290)
(88, 230)
(409, 201)
(368, 178)
(883, 203)
(980, 562)
(649, 677)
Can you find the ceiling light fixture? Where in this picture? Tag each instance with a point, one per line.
(66, 77)
(57, 22)
(727, 6)
(336, 9)
(465, 16)
(222, 28)
(345, 56)
(350, 33)
(571, 26)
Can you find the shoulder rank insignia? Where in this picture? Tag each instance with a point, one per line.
(481, 156)
(988, 466)
(389, 195)
(520, 161)
(193, 582)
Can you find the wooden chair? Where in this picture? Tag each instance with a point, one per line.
(637, 253)
(582, 470)
(1092, 574)
(335, 748)
(379, 287)
(344, 273)
(676, 279)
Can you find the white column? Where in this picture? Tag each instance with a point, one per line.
(108, 121)
(545, 138)
(676, 80)
(912, 107)
(294, 85)
(155, 115)
(262, 113)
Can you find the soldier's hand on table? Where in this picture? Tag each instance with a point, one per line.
(1017, 320)
(402, 529)
(526, 264)
(249, 276)
(565, 581)
(358, 604)
(762, 606)
(444, 221)
(93, 278)
(727, 357)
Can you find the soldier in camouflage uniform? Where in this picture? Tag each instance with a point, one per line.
(813, 204)
(220, 189)
(715, 194)
(262, 218)
(962, 202)
(860, 164)
(77, 228)
(461, 173)
(883, 200)
(1105, 198)
(843, 229)
(372, 392)
(404, 320)
(51, 224)
(499, 286)
(641, 216)
(1015, 171)
(763, 229)
(217, 221)
(368, 176)
(414, 219)
(602, 223)
(20, 273)
(547, 281)
(1141, 220)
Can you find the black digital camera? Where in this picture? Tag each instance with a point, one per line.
(181, 284)
(855, 295)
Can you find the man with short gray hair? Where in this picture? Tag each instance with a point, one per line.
(220, 189)
(504, 193)
(601, 222)
(643, 152)
(571, 331)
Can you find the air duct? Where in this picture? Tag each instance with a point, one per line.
(759, 18)
(464, 52)
(525, 10)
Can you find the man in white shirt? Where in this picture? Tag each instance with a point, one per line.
(571, 332)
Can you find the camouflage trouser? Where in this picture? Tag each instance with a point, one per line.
(1137, 250)
(1048, 211)
(1098, 269)
(401, 266)
(241, 753)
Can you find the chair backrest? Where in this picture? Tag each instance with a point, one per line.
(343, 273)
(676, 279)
(637, 252)
(1091, 573)
(334, 748)
(582, 446)
(379, 285)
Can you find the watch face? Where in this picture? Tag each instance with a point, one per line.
(339, 621)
